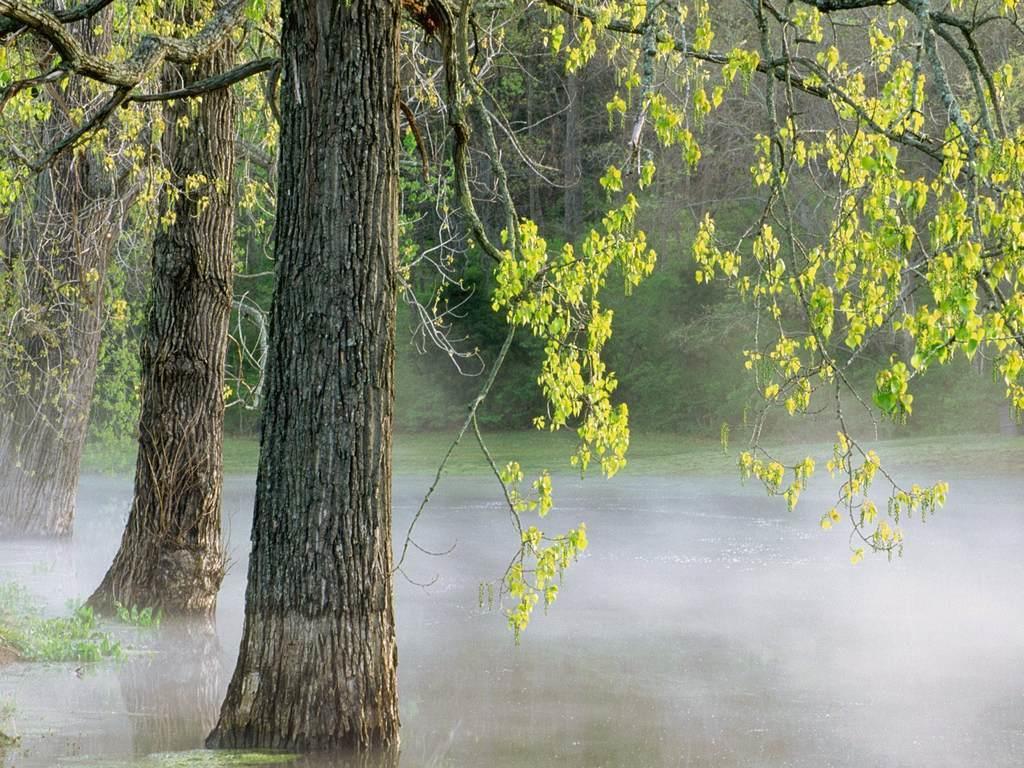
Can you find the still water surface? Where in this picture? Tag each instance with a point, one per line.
(705, 626)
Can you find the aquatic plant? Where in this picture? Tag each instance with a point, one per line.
(143, 618)
(75, 637)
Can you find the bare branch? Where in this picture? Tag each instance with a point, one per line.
(223, 80)
(18, 86)
(117, 98)
(470, 419)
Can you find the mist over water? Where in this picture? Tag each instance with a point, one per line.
(706, 626)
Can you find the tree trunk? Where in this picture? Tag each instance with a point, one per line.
(171, 556)
(42, 435)
(62, 238)
(532, 179)
(572, 198)
(317, 665)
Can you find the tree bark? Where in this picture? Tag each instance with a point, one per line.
(42, 436)
(62, 238)
(532, 180)
(318, 659)
(171, 557)
(572, 198)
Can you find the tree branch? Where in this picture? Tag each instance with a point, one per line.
(18, 86)
(81, 12)
(712, 57)
(118, 97)
(214, 83)
(151, 51)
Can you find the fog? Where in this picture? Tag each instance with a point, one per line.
(705, 626)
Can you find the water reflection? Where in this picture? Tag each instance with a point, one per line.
(173, 692)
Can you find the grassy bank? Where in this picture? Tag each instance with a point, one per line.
(650, 454)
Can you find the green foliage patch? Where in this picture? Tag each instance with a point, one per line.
(144, 618)
(75, 637)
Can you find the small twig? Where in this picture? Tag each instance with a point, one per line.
(411, 120)
(470, 419)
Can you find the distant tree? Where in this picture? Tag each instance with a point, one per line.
(56, 241)
(171, 557)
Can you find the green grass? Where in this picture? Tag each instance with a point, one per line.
(420, 454)
(649, 454)
(976, 454)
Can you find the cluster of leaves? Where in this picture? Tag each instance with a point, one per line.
(924, 238)
(534, 574)
(558, 297)
(860, 470)
(916, 169)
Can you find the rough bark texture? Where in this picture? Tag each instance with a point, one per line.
(63, 237)
(171, 555)
(317, 664)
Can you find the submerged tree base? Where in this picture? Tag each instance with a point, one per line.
(174, 580)
(341, 695)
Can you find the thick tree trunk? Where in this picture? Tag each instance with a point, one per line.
(62, 238)
(317, 664)
(171, 556)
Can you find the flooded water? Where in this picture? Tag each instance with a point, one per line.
(706, 626)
